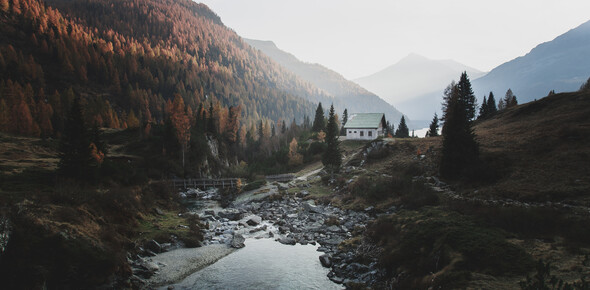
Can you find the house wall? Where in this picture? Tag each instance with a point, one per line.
(367, 133)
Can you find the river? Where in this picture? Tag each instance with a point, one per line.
(263, 264)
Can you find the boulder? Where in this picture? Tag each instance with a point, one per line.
(311, 207)
(237, 241)
(287, 241)
(253, 220)
(326, 260)
(231, 214)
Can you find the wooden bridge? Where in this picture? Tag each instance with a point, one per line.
(204, 183)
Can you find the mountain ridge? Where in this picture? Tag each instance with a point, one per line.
(347, 94)
(412, 77)
(561, 64)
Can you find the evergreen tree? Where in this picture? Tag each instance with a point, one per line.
(433, 130)
(319, 121)
(483, 110)
(491, 107)
(460, 150)
(466, 96)
(402, 129)
(74, 147)
(332, 158)
(344, 120)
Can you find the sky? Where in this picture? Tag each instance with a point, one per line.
(360, 37)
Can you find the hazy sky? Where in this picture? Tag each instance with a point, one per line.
(360, 37)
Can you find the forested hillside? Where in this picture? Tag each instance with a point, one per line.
(127, 59)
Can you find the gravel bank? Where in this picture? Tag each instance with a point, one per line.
(178, 264)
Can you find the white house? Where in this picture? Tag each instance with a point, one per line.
(365, 126)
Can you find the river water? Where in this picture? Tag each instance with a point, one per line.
(263, 264)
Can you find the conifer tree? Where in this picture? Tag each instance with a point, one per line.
(460, 150)
(319, 121)
(74, 148)
(402, 129)
(332, 158)
(491, 107)
(483, 110)
(466, 96)
(433, 130)
(344, 120)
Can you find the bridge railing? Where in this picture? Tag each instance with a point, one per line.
(206, 183)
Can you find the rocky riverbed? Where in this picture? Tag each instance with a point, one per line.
(286, 218)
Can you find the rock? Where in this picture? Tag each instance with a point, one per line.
(150, 266)
(326, 260)
(283, 186)
(334, 229)
(238, 241)
(153, 246)
(311, 207)
(210, 212)
(231, 214)
(336, 279)
(287, 241)
(253, 220)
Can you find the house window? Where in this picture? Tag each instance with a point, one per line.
(349, 132)
(362, 133)
(370, 133)
(354, 132)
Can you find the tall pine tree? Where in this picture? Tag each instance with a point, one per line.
(318, 121)
(433, 130)
(460, 150)
(466, 96)
(402, 129)
(332, 158)
(491, 107)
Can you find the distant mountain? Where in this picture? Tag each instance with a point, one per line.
(562, 64)
(412, 83)
(347, 94)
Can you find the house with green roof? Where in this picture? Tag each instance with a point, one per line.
(365, 126)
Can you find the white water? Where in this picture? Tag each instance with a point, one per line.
(263, 264)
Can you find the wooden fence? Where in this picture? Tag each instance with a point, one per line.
(206, 183)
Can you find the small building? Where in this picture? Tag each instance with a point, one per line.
(365, 126)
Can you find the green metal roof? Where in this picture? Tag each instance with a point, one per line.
(364, 120)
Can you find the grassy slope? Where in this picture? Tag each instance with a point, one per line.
(535, 152)
(540, 150)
